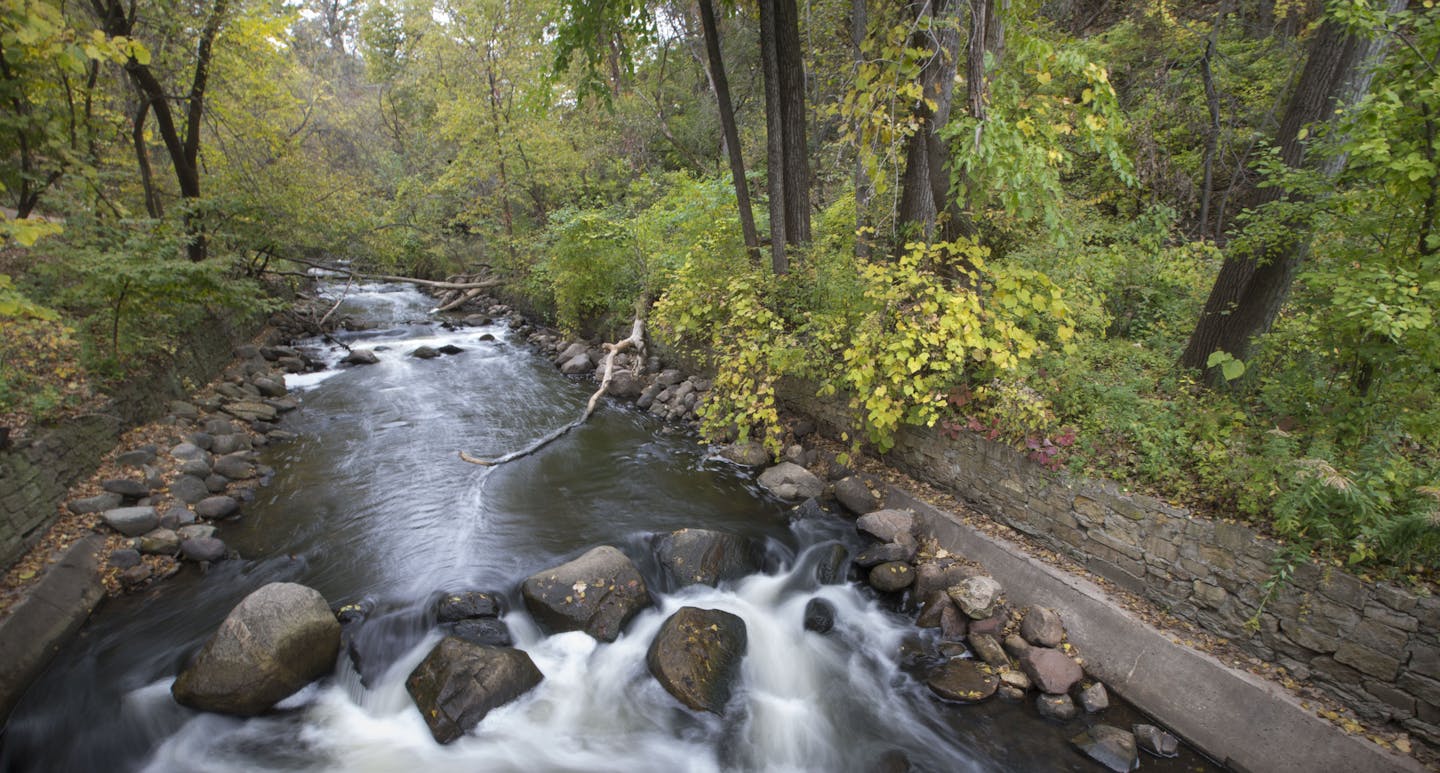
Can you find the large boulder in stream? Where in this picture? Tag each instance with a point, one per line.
(788, 480)
(704, 557)
(696, 657)
(460, 682)
(596, 593)
(279, 639)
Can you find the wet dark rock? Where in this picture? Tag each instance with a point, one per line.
(1016, 646)
(1156, 741)
(280, 436)
(1110, 746)
(425, 353)
(467, 605)
(125, 558)
(988, 649)
(597, 593)
(131, 521)
(791, 481)
(132, 489)
(819, 615)
(217, 507)
(993, 625)
(95, 504)
(199, 549)
(459, 682)
(647, 397)
(888, 525)
(892, 576)
(1052, 671)
(234, 466)
(487, 631)
(931, 610)
(1041, 626)
(360, 357)
(1057, 707)
(963, 680)
(450, 349)
(748, 454)
(136, 575)
(884, 552)
(189, 489)
(136, 458)
(856, 495)
(704, 557)
(280, 638)
(159, 542)
(696, 657)
(954, 626)
(486, 337)
(1094, 698)
(831, 568)
(976, 596)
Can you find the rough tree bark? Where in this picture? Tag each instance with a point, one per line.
(924, 189)
(1251, 287)
(785, 143)
(716, 67)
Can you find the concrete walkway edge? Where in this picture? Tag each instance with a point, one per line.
(1246, 722)
(53, 610)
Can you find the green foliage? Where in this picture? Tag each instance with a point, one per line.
(938, 317)
(593, 268)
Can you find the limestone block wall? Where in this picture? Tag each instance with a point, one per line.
(1374, 646)
(36, 471)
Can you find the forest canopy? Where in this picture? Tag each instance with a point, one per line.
(1188, 246)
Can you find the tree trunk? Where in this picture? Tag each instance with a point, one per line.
(859, 22)
(153, 207)
(925, 190)
(787, 153)
(728, 128)
(1251, 288)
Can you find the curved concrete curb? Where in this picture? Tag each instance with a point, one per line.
(52, 611)
(1230, 715)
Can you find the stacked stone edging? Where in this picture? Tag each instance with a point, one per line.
(1374, 646)
(37, 471)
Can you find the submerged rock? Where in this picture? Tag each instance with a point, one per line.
(280, 638)
(596, 593)
(696, 657)
(963, 680)
(1156, 741)
(459, 682)
(788, 480)
(831, 566)
(704, 557)
(1110, 746)
(466, 605)
(819, 616)
(487, 631)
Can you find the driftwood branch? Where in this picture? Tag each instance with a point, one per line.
(635, 341)
(465, 297)
(478, 284)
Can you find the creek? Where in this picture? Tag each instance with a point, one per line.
(372, 505)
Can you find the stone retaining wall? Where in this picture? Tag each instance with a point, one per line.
(36, 472)
(1375, 646)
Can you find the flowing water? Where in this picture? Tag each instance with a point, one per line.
(372, 505)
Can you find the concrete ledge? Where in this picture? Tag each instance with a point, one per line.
(51, 613)
(1230, 715)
